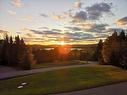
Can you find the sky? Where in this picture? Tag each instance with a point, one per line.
(62, 21)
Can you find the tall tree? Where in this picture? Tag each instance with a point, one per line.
(122, 35)
(99, 51)
(115, 49)
(15, 53)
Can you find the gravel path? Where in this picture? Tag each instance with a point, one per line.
(13, 73)
(115, 89)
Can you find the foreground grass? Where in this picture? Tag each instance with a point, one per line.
(58, 63)
(63, 80)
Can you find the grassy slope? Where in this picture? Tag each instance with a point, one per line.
(57, 64)
(63, 80)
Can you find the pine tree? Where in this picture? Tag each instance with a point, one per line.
(122, 35)
(15, 53)
(106, 51)
(99, 52)
(5, 51)
(115, 49)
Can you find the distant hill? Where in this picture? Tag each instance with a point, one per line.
(53, 46)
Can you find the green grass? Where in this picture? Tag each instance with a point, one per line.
(63, 80)
(58, 63)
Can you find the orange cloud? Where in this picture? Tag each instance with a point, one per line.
(122, 21)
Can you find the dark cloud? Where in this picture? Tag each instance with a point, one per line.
(97, 10)
(74, 28)
(33, 39)
(78, 35)
(29, 35)
(37, 31)
(98, 28)
(122, 21)
(57, 30)
(89, 27)
(93, 33)
(48, 32)
(94, 12)
(80, 16)
(43, 15)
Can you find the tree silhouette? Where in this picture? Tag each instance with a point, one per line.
(114, 49)
(15, 53)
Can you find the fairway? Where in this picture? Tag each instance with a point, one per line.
(63, 80)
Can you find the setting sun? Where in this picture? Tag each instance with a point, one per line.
(62, 43)
(71, 45)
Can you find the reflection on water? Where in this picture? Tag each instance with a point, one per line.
(68, 48)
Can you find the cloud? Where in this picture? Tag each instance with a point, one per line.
(74, 28)
(16, 3)
(74, 34)
(45, 32)
(3, 32)
(78, 36)
(86, 26)
(97, 10)
(89, 27)
(43, 28)
(98, 27)
(68, 13)
(122, 21)
(43, 15)
(24, 29)
(57, 30)
(58, 17)
(50, 32)
(43, 35)
(37, 31)
(79, 17)
(11, 12)
(29, 35)
(78, 4)
(34, 39)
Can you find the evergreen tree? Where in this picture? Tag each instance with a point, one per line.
(99, 52)
(15, 53)
(122, 35)
(115, 49)
(4, 53)
(106, 51)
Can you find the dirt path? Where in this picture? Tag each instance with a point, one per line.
(115, 89)
(5, 69)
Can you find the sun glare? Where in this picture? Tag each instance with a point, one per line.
(62, 43)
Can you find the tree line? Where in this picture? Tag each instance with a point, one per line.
(42, 55)
(113, 50)
(14, 52)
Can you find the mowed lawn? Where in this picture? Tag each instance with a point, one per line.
(63, 80)
(59, 63)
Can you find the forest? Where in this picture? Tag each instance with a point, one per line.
(14, 52)
(114, 50)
